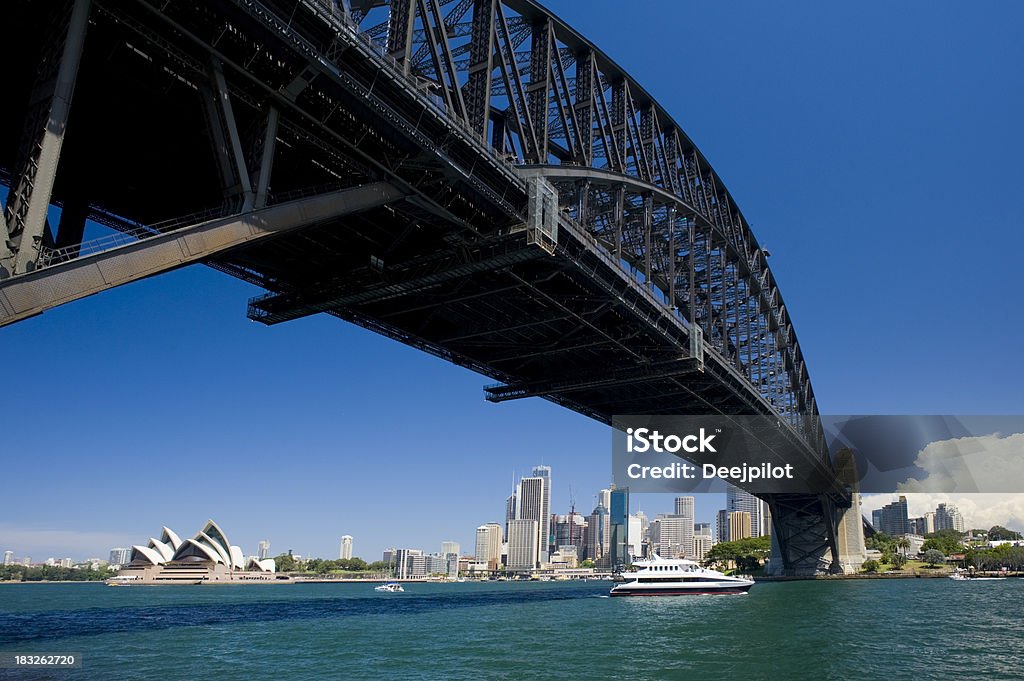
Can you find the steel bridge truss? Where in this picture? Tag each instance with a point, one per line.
(518, 203)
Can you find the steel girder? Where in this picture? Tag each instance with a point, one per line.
(555, 100)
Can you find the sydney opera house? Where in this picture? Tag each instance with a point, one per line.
(207, 558)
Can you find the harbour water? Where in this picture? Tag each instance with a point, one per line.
(866, 629)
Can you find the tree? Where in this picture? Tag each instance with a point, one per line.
(747, 554)
(285, 563)
(903, 544)
(947, 541)
(1000, 533)
(870, 566)
(587, 563)
(934, 557)
(898, 561)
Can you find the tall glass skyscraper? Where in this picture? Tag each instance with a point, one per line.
(544, 472)
(618, 524)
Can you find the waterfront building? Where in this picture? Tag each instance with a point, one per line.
(389, 556)
(8, 557)
(530, 506)
(947, 517)
(546, 539)
(523, 548)
(120, 556)
(722, 525)
(739, 525)
(209, 557)
(346, 547)
(263, 552)
(410, 564)
(892, 518)
(488, 545)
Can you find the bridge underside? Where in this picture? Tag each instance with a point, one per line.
(192, 119)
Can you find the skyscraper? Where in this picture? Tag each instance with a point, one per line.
(595, 542)
(684, 506)
(488, 545)
(618, 527)
(947, 517)
(264, 550)
(722, 525)
(522, 544)
(701, 545)
(510, 511)
(346, 547)
(544, 472)
(450, 547)
(737, 499)
(8, 557)
(892, 518)
(530, 506)
(675, 536)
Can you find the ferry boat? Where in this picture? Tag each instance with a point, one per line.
(390, 587)
(659, 576)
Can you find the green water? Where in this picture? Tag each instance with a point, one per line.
(883, 629)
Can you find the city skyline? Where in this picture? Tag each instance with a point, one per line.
(297, 410)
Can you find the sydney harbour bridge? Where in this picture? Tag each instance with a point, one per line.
(470, 177)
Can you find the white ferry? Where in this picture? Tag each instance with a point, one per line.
(659, 576)
(390, 587)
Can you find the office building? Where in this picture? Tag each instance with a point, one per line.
(929, 522)
(510, 512)
(703, 529)
(701, 545)
(410, 563)
(737, 499)
(618, 527)
(546, 538)
(635, 537)
(569, 531)
(595, 540)
(523, 549)
(450, 547)
(739, 525)
(346, 547)
(722, 525)
(675, 536)
(263, 552)
(684, 507)
(530, 506)
(488, 545)
(8, 557)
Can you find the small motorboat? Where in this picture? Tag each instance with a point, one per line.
(390, 587)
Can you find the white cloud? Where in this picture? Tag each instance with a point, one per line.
(985, 463)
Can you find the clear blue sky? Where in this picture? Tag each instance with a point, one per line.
(876, 148)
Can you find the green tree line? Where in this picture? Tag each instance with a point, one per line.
(53, 573)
